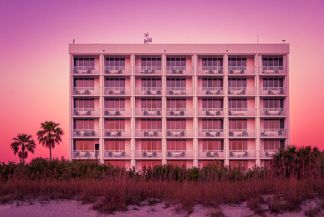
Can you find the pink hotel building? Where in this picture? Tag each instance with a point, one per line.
(141, 105)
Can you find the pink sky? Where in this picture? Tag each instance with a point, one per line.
(34, 51)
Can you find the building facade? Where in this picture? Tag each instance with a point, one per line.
(141, 105)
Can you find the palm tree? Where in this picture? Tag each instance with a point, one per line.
(49, 135)
(21, 145)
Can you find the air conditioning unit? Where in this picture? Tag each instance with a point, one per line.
(149, 154)
(155, 92)
(238, 154)
(114, 133)
(176, 133)
(152, 113)
(176, 154)
(177, 112)
(107, 71)
(88, 71)
(151, 133)
(211, 154)
(213, 133)
(238, 133)
(77, 133)
(213, 92)
(212, 113)
(116, 154)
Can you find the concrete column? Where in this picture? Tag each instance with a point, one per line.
(101, 106)
(195, 129)
(257, 103)
(164, 112)
(132, 102)
(226, 120)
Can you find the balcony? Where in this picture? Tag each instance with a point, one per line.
(115, 154)
(85, 70)
(88, 154)
(178, 112)
(149, 91)
(210, 70)
(85, 91)
(148, 112)
(211, 154)
(149, 133)
(116, 112)
(275, 112)
(178, 133)
(149, 154)
(240, 91)
(179, 154)
(85, 133)
(272, 91)
(239, 70)
(242, 154)
(211, 112)
(240, 133)
(210, 91)
(86, 112)
(273, 133)
(179, 70)
(243, 112)
(267, 154)
(117, 70)
(148, 70)
(211, 133)
(115, 91)
(178, 91)
(116, 133)
(273, 70)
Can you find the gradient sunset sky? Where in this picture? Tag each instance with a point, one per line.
(34, 61)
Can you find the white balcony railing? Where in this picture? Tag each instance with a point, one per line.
(149, 91)
(148, 154)
(178, 133)
(85, 133)
(212, 112)
(210, 70)
(148, 70)
(211, 91)
(85, 91)
(115, 91)
(238, 91)
(148, 111)
(240, 133)
(241, 154)
(211, 133)
(211, 154)
(178, 112)
(267, 154)
(241, 112)
(89, 112)
(117, 70)
(149, 133)
(85, 70)
(273, 70)
(116, 112)
(179, 70)
(240, 70)
(273, 133)
(180, 91)
(273, 91)
(273, 111)
(176, 154)
(85, 154)
(116, 133)
(115, 154)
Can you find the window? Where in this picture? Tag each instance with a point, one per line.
(237, 83)
(151, 124)
(115, 63)
(84, 145)
(83, 124)
(84, 83)
(150, 145)
(273, 144)
(176, 104)
(238, 145)
(115, 125)
(270, 124)
(176, 63)
(151, 63)
(84, 63)
(176, 124)
(208, 83)
(115, 145)
(237, 103)
(151, 83)
(149, 163)
(176, 83)
(176, 145)
(212, 63)
(151, 104)
(238, 164)
(237, 63)
(115, 104)
(273, 63)
(87, 104)
(212, 145)
(212, 104)
(211, 124)
(273, 103)
(238, 124)
(271, 83)
(115, 83)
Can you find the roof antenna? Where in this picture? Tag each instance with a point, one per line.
(73, 41)
(283, 41)
(147, 38)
